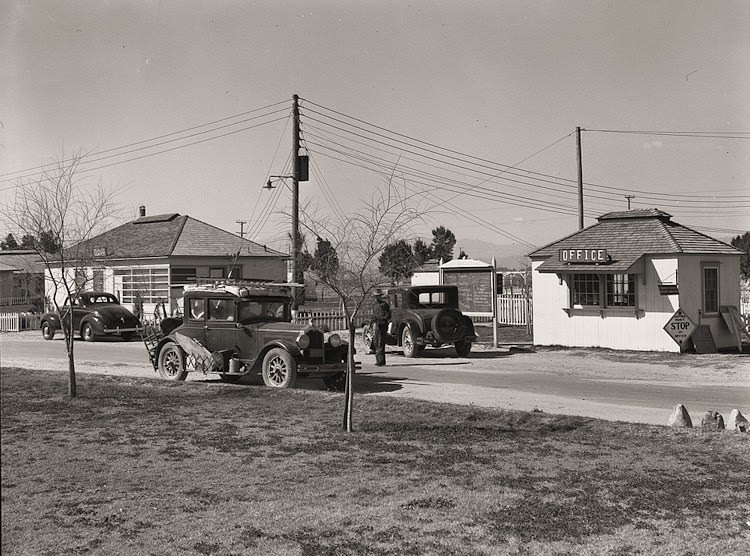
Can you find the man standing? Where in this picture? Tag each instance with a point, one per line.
(381, 316)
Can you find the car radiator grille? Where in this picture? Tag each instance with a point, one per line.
(315, 353)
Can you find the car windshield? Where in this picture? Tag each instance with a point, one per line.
(262, 310)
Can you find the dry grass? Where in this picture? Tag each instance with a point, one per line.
(138, 466)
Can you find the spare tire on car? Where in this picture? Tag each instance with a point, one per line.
(449, 326)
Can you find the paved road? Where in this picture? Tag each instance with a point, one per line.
(610, 385)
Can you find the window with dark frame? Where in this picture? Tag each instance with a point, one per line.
(710, 289)
(620, 290)
(183, 275)
(216, 272)
(584, 290)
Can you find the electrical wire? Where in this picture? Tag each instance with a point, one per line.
(94, 153)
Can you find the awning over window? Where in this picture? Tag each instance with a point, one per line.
(633, 264)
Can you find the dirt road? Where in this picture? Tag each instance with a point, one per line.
(627, 386)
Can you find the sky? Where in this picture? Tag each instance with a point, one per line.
(470, 107)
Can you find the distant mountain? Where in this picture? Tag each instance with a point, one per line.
(509, 256)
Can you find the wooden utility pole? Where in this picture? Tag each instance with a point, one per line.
(580, 179)
(297, 277)
(242, 227)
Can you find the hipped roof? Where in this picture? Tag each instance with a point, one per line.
(172, 234)
(627, 236)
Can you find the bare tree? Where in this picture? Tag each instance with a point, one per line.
(57, 206)
(358, 242)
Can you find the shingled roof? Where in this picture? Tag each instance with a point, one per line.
(172, 234)
(628, 235)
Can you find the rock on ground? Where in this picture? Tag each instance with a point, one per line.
(680, 417)
(737, 422)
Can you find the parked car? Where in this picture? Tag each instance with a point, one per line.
(235, 329)
(94, 314)
(425, 316)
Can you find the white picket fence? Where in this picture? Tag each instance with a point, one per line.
(15, 322)
(513, 308)
(332, 318)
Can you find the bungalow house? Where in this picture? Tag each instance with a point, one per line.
(154, 257)
(21, 281)
(636, 280)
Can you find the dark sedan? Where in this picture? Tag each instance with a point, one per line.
(94, 314)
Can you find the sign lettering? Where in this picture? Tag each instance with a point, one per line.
(680, 327)
(587, 255)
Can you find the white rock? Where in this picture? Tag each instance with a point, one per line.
(737, 422)
(680, 417)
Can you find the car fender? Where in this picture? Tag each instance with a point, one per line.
(52, 319)
(416, 328)
(286, 345)
(95, 321)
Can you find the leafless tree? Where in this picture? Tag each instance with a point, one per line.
(358, 241)
(57, 205)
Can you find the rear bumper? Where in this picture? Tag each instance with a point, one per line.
(119, 330)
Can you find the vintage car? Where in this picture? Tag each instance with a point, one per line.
(94, 314)
(425, 316)
(234, 329)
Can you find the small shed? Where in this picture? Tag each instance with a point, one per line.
(616, 284)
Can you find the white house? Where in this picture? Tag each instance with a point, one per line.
(617, 283)
(155, 256)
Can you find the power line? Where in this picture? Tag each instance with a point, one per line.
(694, 134)
(556, 179)
(162, 143)
(95, 153)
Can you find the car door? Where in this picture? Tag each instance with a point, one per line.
(79, 310)
(220, 329)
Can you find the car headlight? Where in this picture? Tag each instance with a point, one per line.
(303, 341)
(334, 340)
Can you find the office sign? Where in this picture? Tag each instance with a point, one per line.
(680, 327)
(587, 255)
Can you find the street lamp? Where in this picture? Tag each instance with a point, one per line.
(271, 179)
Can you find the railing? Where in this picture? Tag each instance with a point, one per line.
(333, 319)
(513, 309)
(18, 300)
(15, 322)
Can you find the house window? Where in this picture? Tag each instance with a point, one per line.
(584, 290)
(151, 283)
(80, 278)
(183, 275)
(98, 279)
(620, 290)
(216, 272)
(710, 289)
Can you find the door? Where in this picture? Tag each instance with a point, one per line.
(220, 329)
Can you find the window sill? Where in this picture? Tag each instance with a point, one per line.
(605, 312)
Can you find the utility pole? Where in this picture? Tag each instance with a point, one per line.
(296, 270)
(580, 179)
(242, 227)
(628, 197)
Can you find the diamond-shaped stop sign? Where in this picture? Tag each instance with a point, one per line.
(680, 327)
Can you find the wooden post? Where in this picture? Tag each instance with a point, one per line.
(494, 302)
(580, 179)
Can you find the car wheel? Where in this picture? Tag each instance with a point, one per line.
(48, 331)
(368, 339)
(172, 363)
(407, 342)
(230, 378)
(335, 382)
(463, 348)
(279, 369)
(87, 333)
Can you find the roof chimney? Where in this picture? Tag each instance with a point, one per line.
(142, 211)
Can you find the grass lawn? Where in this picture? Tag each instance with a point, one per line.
(139, 466)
